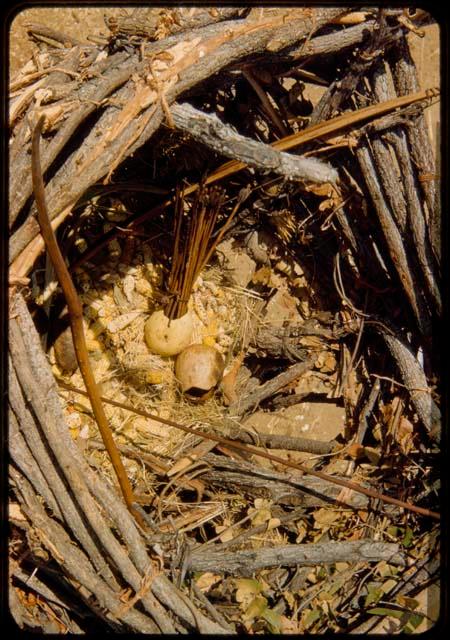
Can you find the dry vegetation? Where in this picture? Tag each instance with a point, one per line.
(302, 494)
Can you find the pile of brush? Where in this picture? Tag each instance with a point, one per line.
(187, 148)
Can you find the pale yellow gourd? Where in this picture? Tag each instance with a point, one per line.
(168, 337)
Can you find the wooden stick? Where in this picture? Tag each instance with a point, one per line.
(76, 320)
(249, 562)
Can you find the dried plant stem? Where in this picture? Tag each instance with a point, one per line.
(248, 449)
(192, 245)
(76, 319)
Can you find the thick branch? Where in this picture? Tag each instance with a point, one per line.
(246, 563)
(209, 130)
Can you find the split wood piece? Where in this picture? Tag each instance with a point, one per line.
(59, 38)
(266, 390)
(394, 240)
(415, 381)
(336, 42)
(209, 130)
(279, 487)
(28, 90)
(405, 203)
(38, 385)
(74, 563)
(249, 449)
(246, 563)
(404, 75)
(75, 310)
(116, 135)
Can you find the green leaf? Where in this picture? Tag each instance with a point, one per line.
(414, 620)
(311, 617)
(374, 594)
(256, 608)
(407, 538)
(385, 611)
(273, 618)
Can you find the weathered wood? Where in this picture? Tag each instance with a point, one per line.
(74, 562)
(38, 383)
(208, 129)
(264, 391)
(232, 41)
(246, 563)
(282, 488)
(404, 74)
(405, 201)
(394, 240)
(415, 381)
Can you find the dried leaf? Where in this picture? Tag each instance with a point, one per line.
(207, 580)
(256, 609)
(404, 434)
(247, 589)
(324, 517)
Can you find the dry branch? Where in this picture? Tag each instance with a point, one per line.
(405, 202)
(73, 561)
(117, 135)
(279, 487)
(394, 240)
(404, 74)
(209, 130)
(102, 109)
(133, 560)
(415, 381)
(246, 563)
(275, 441)
(75, 310)
(264, 391)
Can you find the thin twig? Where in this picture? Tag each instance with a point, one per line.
(76, 320)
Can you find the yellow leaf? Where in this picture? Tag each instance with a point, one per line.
(207, 580)
(256, 608)
(324, 517)
(247, 589)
